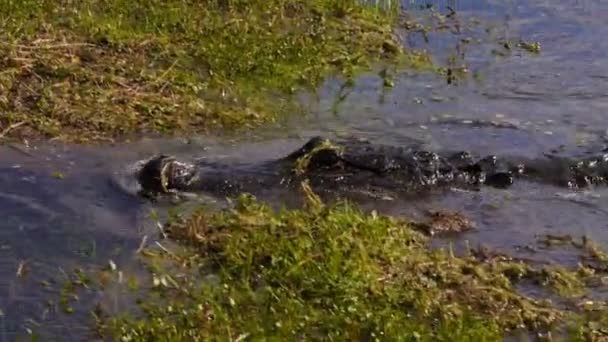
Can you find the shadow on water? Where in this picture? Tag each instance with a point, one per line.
(62, 208)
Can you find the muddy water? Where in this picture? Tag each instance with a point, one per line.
(68, 206)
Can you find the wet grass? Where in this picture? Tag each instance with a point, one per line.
(336, 273)
(90, 70)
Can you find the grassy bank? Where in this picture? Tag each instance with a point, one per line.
(335, 273)
(93, 69)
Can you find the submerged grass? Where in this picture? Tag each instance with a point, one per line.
(336, 273)
(91, 69)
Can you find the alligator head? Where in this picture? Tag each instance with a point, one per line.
(163, 174)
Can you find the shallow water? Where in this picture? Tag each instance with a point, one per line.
(63, 209)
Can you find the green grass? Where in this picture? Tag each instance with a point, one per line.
(101, 69)
(336, 273)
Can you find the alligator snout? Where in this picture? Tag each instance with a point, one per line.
(163, 173)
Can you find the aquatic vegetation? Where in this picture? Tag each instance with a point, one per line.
(533, 47)
(332, 271)
(593, 326)
(91, 70)
(444, 221)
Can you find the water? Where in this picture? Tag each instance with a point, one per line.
(69, 206)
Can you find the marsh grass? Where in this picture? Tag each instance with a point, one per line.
(91, 69)
(334, 272)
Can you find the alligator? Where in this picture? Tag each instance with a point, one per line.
(365, 167)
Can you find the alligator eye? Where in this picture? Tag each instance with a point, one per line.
(323, 159)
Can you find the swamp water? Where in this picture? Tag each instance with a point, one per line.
(70, 206)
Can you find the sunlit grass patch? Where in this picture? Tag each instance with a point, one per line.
(332, 272)
(100, 69)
